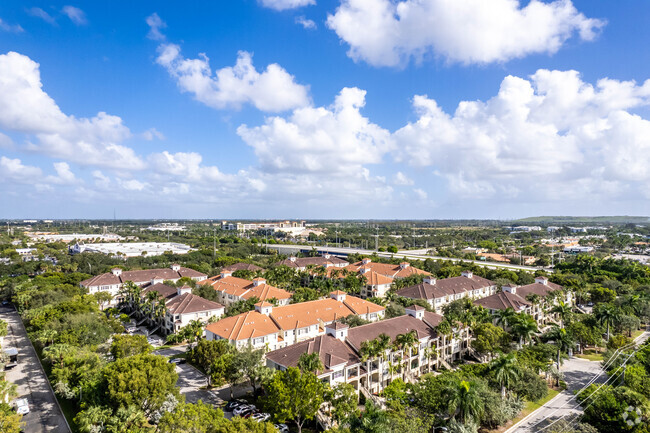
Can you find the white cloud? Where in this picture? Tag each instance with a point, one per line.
(390, 33)
(420, 193)
(551, 137)
(402, 179)
(280, 5)
(306, 23)
(76, 15)
(11, 28)
(14, 170)
(272, 90)
(63, 174)
(26, 108)
(40, 13)
(155, 25)
(152, 133)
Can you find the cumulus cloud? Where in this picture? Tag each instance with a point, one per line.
(152, 133)
(40, 13)
(280, 5)
(390, 33)
(76, 15)
(155, 24)
(551, 136)
(271, 90)
(402, 179)
(11, 28)
(26, 108)
(306, 23)
(15, 170)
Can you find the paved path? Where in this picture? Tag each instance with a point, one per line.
(577, 373)
(45, 415)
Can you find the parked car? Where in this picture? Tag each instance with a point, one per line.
(261, 417)
(239, 410)
(177, 361)
(282, 428)
(250, 413)
(22, 406)
(232, 404)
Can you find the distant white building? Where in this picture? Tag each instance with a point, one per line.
(132, 249)
(167, 227)
(272, 226)
(70, 237)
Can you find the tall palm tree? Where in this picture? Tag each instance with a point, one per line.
(505, 317)
(563, 310)
(506, 371)
(563, 342)
(525, 327)
(465, 402)
(607, 314)
(368, 351)
(57, 353)
(406, 342)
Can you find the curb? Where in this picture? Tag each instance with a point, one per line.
(532, 413)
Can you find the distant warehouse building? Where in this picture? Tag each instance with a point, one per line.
(131, 249)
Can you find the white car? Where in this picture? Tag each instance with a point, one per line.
(282, 428)
(243, 408)
(22, 406)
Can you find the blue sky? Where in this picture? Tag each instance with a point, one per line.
(324, 109)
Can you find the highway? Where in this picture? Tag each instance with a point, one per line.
(416, 255)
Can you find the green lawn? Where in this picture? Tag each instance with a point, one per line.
(591, 355)
(637, 333)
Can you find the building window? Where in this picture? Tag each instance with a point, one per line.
(337, 374)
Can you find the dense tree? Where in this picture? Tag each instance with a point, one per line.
(144, 381)
(129, 345)
(506, 372)
(310, 362)
(294, 395)
(490, 339)
(191, 418)
(465, 402)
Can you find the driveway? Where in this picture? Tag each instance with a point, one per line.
(577, 373)
(45, 414)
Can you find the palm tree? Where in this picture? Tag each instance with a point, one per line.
(57, 353)
(506, 371)
(505, 317)
(406, 342)
(310, 362)
(563, 310)
(465, 402)
(607, 314)
(368, 352)
(383, 343)
(8, 391)
(525, 327)
(563, 342)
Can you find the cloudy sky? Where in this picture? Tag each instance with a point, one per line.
(324, 108)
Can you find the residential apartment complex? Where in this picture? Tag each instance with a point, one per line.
(340, 351)
(272, 327)
(232, 289)
(112, 281)
(441, 292)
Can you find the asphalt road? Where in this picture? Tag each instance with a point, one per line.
(288, 249)
(44, 415)
(577, 373)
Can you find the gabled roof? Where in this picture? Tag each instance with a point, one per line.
(389, 269)
(303, 262)
(246, 289)
(502, 301)
(539, 289)
(445, 287)
(165, 291)
(244, 326)
(189, 303)
(141, 276)
(331, 352)
(376, 279)
(391, 327)
(309, 313)
(361, 306)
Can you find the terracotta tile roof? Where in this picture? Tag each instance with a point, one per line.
(190, 303)
(503, 300)
(244, 326)
(445, 287)
(309, 313)
(361, 306)
(331, 352)
(539, 289)
(391, 327)
(141, 276)
(246, 289)
(242, 267)
(375, 279)
(389, 269)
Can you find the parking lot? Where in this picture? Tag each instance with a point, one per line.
(44, 415)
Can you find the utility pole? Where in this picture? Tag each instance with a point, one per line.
(377, 239)
(214, 244)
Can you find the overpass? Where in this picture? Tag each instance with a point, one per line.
(417, 255)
